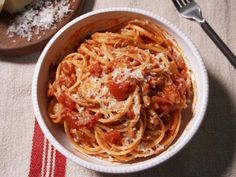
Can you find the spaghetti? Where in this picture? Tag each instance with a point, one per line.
(121, 94)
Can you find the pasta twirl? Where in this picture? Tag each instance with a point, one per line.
(121, 94)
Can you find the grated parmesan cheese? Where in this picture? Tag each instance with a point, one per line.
(148, 151)
(75, 96)
(104, 90)
(159, 55)
(110, 158)
(128, 141)
(76, 139)
(81, 109)
(160, 147)
(161, 58)
(96, 88)
(73, 131)
(123, 73)
(116, 106)
(38, 16)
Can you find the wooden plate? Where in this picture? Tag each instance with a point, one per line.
(19, 46)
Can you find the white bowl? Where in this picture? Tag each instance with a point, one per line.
(66, 39)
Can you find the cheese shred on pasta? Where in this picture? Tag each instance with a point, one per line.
(121, 94)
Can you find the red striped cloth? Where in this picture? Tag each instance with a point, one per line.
(45, 159)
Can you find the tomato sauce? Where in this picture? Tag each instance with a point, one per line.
(113, 137)
(96, 70)
(66, 101)
(67, 68)
(77, 120)
(130, 114)
(67, 81)
(121, 90)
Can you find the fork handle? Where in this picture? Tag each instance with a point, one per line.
(219, 43)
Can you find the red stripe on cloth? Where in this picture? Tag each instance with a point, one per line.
(37, 157)
(51, 161)
(46, 159)
(37, 152)
(60, 165)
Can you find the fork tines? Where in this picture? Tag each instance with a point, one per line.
(181, 3)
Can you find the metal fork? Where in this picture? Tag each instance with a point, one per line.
(191, 10)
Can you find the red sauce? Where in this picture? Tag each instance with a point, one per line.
(122, 90)
(113, 137)
(161, 103)
(67, 81)
(169, 101)
(51, 90)
(130, 114)
(180, 63)
(179, 81)
(166, 108)
(78, 120)
(93, 120)
(145, 88)
(96, 70)
(171, 93)
(66, 101)
(70, 118)
(67, 68)
(131, 133)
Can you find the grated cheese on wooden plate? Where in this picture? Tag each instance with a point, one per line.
(38, 16)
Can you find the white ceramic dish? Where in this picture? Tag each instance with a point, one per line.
(60, 45)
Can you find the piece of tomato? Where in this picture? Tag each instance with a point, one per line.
(66, 101)
(113, 137)
(130, 114)
(96, 70)
(78, 120)
(121, 90)
(67, 68)
(67, 81)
